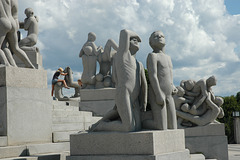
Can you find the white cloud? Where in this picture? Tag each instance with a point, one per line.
(202, 38)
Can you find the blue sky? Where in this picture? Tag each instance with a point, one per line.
(202, 36)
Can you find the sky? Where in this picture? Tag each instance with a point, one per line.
(202, 36)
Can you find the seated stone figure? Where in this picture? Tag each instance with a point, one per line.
(31, 25)
(131, 87)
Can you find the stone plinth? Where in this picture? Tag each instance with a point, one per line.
(209, 140)
(237, 130)
(25, 106)
(133, 145)
(97, 94)
(97, 101)
(34, 56)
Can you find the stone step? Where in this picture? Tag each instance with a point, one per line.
(63, 136)
(68, 108)
(66, 103)
(61, 113)
(48, 148)
(3, 141)
(50, 156)
(13, 151)
(197, 157)
(69, 127)
(75, 119)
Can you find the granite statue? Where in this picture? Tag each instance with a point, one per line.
(30, 24)
(89, 53)
(201, 106)
(131, 89)
(161, 86)
(105, 59)
(8, 30)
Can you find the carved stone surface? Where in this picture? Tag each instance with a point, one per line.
(161, 87)
(130, 88)
(199, 105)
(8, 32)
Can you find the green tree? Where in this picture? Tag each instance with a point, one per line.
(231, 104)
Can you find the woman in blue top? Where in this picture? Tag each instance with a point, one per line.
(55, 78)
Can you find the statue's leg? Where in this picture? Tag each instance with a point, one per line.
(3, 59)
(12, 40)
(159, 120)
(171, 113)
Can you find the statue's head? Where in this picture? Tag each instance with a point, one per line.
(134, 44)
(211, 81)
(189, 84)
(29, 12)
(91, 36)
(180, 92)
(157, 40)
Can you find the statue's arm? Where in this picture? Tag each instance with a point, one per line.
(27, 23)
(144, 88)
(203, 86)
(152, 74)
(124, 40)
(114, 74)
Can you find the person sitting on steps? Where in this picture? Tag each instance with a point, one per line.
(55, 79)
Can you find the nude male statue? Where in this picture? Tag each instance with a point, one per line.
(31, 25)
(161, 87)
(89, 53)
(131, 87)
(8, 29)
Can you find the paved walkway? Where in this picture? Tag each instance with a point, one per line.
(234, 151)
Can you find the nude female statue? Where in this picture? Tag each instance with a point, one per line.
(161, 86)
(130, 80)
(8, 29)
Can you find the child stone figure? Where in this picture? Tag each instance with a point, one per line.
(161, 87)
(31, 25)
(55, 79)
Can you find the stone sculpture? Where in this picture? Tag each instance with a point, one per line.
(200, 107)
(105, 59)
(89, 53)
(70, 83)
(161, 86)
(8, 29)
(131, 89)
(30, 24)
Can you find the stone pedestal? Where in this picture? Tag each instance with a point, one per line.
(237, 130)
(98, 101)
(209, 140)
(144, 145)
(25, 106)
(34, 56)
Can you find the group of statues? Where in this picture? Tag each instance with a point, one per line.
(196, 105)
(190, 104)
(90, 54)
(132, 90)
(9, 26)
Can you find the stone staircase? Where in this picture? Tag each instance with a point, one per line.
(66, 120)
